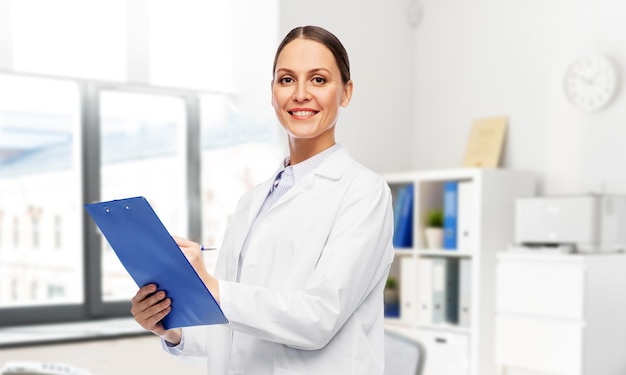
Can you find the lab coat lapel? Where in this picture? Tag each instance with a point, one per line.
(256, 201)
(333, 168)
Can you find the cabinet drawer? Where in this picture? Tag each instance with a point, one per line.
(446, 353)
(541, 288)
(539, 344)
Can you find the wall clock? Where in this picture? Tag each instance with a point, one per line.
(590, 82)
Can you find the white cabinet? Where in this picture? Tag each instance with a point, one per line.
(561, 314)
(458, 337)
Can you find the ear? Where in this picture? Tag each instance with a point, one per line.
(272, 93)
(347, 94)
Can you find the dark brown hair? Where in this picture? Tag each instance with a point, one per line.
(324, 37)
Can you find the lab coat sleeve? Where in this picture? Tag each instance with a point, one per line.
(354, 262)
(192, 347)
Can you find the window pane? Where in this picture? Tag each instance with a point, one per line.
(77, 38)
(41, 258)
(191, 44)
(142, 153)
(238, 152)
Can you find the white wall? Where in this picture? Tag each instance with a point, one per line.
(485, 58)
(473, 59)
(377, 125)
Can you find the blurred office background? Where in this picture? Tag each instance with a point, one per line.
(171, 100)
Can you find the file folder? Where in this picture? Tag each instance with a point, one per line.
(466, 217)
(465, 292)
(438, 290)
(445, 290)
(151, 256)
(403, 218)
(450, 211)
(425, 283)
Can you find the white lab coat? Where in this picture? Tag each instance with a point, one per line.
(310, 296)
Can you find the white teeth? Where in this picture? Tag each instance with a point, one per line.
(303, 113)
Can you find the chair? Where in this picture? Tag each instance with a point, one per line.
(403, 355)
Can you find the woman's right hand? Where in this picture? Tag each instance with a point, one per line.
(149, 307)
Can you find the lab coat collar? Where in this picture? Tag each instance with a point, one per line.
(333, 167)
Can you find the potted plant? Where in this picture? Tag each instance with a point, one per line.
(392, 298)
(434, 228)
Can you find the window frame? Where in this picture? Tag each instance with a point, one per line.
(93, 307)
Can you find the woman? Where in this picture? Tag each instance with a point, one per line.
(301, 270)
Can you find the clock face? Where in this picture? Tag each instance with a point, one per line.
(590, 83)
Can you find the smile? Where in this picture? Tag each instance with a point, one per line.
(302, 113)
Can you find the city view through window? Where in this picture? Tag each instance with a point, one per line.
(142, 152)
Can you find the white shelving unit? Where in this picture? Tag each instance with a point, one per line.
(453, 348)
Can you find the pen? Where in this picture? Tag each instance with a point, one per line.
(203, 248)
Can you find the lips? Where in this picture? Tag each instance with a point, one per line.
(301, 113)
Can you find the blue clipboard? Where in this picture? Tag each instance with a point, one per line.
(151, 256)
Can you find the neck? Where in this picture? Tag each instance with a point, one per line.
(301, 149)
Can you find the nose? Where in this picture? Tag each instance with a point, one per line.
(301, 92)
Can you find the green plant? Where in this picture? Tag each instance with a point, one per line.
(434, 218)
(391, 283)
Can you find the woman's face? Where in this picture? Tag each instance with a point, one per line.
(307, 90)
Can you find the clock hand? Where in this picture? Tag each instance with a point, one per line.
(594, 77)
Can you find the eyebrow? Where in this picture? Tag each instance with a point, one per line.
(312, 71)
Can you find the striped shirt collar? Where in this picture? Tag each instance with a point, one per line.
(305, 167)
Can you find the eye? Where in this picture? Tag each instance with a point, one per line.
(319, 80)
(285, 80)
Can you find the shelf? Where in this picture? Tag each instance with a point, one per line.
(444, 253)
(405, 252)
(446, 328)
(434, 175)
(461, 283)
(398, 323)
(433, 253)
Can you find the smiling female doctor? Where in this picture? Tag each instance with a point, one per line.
(301, 270)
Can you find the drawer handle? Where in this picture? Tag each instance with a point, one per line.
(440, 340)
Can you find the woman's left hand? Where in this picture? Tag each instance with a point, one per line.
(193, 252)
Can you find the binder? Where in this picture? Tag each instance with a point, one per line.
(403, 218)
(445, 290)
(465, 292)
(452, 290)
(425, 291)
(150, 255)
(408, 274)
(438, 290)
(450, 209)
(466, 216)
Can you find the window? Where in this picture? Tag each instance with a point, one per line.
(2, 221)
(142, 152)
(192, 138)
(58, 232)
(191, 44)
(40, 176)
(35, 218)
(238, 152)
(74, 38)
(16, 232)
